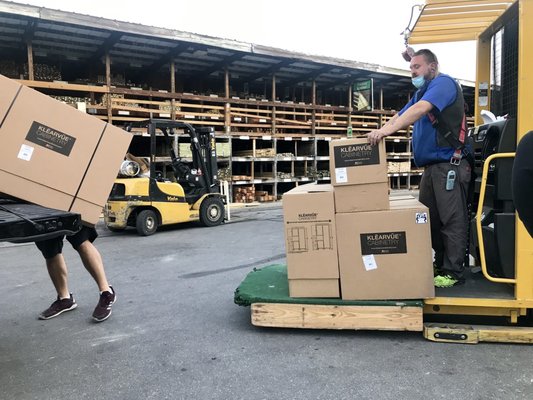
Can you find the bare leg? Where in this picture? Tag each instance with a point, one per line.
(57, 269)
(92, 260)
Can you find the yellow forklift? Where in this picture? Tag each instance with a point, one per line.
(498, 298)
(146, 203)
(503, 31)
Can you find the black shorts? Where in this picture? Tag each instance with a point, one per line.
(52, 247)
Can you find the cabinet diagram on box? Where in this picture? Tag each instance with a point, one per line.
(314, 236)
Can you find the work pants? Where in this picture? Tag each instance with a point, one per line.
(448, 211)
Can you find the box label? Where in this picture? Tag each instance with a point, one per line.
(50, 138)
(421, 218)
(354, 155)
(25, 152)
(369, 262)
(383, 243)
(341, 175)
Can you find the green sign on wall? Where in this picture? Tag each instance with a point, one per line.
(363, 95)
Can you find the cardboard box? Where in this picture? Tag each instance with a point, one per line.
(355, 162)
(314, 288)
(309, 225)
(386, 254)
(54, 155)
(357, 198)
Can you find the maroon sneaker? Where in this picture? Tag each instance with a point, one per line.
(59, 307)
(103, 308)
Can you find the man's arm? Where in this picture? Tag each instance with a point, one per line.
(399, 122)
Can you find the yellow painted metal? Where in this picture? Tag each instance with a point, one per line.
(524, 243)
(481, 26)
(487, 303)
(472, 334)
(483, 77)
(171, 210)
(446, 15)
(479, 216)
(448, 9)
(440, 38)
(464, 310)
(466, 22)
(455, 3)
(458, 29)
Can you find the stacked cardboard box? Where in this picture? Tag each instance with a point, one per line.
(359, 175)
(384, 246)
(310, 241)
(350, 233)
(54, 155)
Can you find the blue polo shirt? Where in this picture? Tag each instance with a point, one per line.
(441, 92)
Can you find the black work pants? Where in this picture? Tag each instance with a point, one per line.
(522, 181)
(448, 211)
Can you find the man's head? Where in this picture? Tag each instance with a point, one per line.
(424, 63)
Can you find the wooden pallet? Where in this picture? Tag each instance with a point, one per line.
(309, 316)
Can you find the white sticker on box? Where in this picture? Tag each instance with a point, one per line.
(341, 175)
(421, 218)
(370, 262)
(25, 152)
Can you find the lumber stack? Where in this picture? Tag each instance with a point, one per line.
(244, 194)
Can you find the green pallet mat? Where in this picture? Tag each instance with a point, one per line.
(270, 285)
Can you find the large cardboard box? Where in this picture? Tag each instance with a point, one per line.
(311, 245)
(386, 254)
(54, 155)
(314, 288)
(355, 162)
(366, 197)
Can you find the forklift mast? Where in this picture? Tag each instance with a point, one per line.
(203, 173)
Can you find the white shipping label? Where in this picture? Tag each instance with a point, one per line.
(25, 152)
(370, 262)
(421, 218)
(341, 175)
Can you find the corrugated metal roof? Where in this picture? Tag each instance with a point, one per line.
(71, 36)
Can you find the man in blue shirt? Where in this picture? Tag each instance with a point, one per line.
(446, 178)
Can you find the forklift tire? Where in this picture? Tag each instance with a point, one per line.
(212, 211)
(146, 223)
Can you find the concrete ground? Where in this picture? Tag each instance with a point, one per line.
(175, 332)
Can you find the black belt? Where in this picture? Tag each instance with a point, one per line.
(438, 162)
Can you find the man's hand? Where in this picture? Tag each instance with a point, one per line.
(375, 136)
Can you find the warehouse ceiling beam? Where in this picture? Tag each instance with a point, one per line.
(167, 58)
(351, 77)
(29, 31)
(269, 70)
(106, 45)
(313, 75)
(222, 64)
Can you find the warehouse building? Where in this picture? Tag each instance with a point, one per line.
(274, 111)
